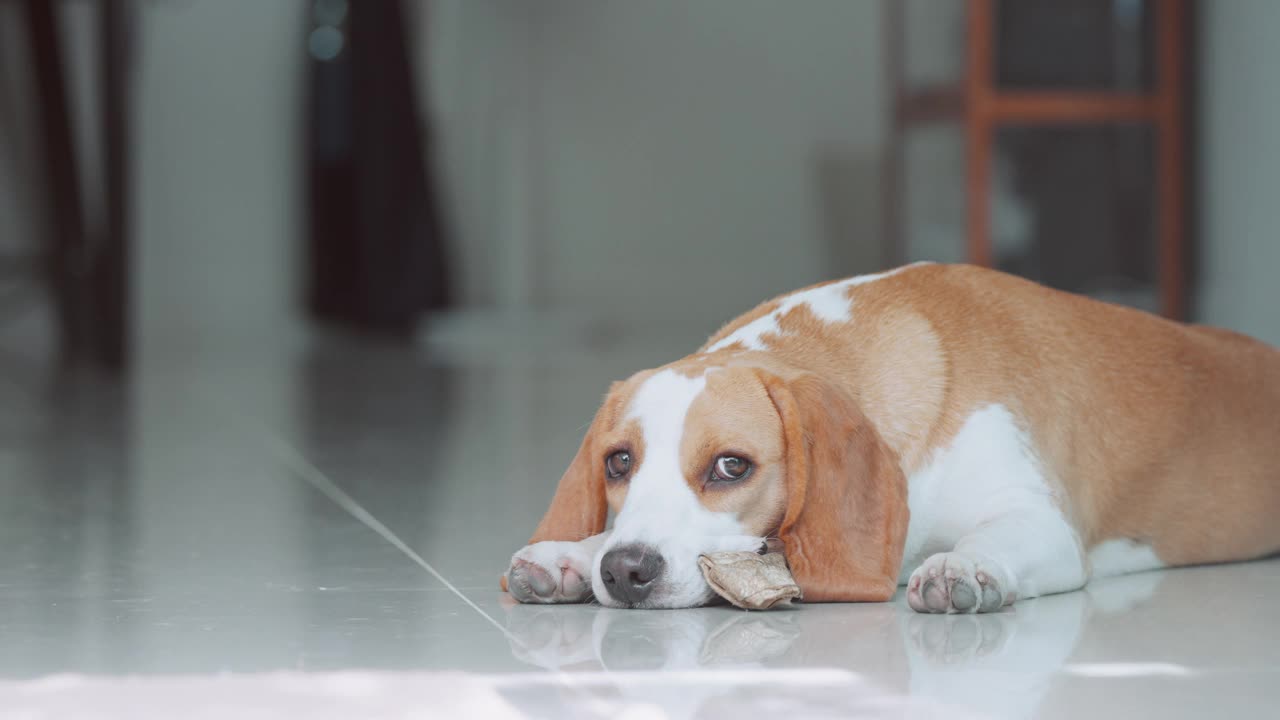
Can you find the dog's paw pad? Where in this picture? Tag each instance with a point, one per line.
(955, 582)
(550, 572)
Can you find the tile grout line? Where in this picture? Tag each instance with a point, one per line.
(318, 480)
(316, 477)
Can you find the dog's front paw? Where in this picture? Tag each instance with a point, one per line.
(957, 582)
(550, 572)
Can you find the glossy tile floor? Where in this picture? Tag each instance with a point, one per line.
(319, 532)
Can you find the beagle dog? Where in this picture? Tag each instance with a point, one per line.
(972, 435)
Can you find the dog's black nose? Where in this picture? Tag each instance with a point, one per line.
(629, 572)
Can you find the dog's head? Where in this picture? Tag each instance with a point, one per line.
(695, 459)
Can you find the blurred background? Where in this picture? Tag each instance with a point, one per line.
(406, 245)
(208, 175)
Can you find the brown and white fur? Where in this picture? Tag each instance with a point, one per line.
(972, 435)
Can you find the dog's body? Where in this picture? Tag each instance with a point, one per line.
(1034, 438)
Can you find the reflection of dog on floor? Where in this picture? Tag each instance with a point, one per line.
(948, 659)
(952, 657)
(713, 662)
(974, 436)
(600, 639)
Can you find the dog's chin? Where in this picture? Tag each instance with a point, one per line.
(660, 600)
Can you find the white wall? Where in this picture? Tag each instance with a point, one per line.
(1240, 161)
(216, 139)
(626, 153)
(474, 66)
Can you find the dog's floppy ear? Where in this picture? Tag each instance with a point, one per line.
(846, 517)
(578, 509)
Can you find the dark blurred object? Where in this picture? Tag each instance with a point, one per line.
(1072, 119)
(376, 250)
(1076, 45)
(85, 266)
(1093, 229)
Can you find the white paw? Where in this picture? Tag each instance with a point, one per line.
(957, 582)
(551, 572)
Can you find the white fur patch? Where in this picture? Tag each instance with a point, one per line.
(661, 509)
(1122, 556)
(829, 303)
(986, 494)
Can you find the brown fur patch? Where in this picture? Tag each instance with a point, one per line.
(733, 415)
(746, 318)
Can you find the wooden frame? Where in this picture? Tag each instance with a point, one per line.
(983, 108)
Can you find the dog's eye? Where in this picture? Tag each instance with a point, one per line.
(729, 468)
(617, 464)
